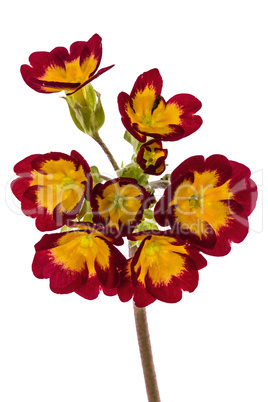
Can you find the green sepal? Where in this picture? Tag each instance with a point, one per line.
(86, 110)
(86, 208)
(143, 227)
(65, 228)
(73, 113)
(146, 225)
(88, 217)
(96, 177)
(166, 177)
(99, 113)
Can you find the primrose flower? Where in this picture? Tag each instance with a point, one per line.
(66, 70)
(84, 261)
(161, 268)
(145, 113)
(119, 204)
(151, 157)
(52, 187)
(208, 202)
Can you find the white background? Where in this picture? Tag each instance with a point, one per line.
(211, 346)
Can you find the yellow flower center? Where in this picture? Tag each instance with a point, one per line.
(66, 182)
(152, 248)
(148, 120)
(195, 201)
(119, 202)
(86, 241)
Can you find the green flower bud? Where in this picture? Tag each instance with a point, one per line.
(134, 171)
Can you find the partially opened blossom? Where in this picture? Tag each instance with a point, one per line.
(145, 112)
(208, 202)
(151, 157)
(52, 187)
(119, 204)
(66, 70)
(84, 261)
(162, 267)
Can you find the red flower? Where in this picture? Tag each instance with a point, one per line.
(52, 187)
(161, 268)
(119, 203)
(208, 202)
(84, 261)
(62, 70)
(151, 157)
(145, 113)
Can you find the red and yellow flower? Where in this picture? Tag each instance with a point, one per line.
(66, 70)
(208, 202)
(162, 267)
(84, 261)
(151, 157)
(52, 187)
(119, 204)
(145, 113)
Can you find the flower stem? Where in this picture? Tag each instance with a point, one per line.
(106, 150)
(145, 347)
(146, 354)
(159, 184)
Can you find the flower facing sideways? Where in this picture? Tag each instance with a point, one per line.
(84, 261)
(119, 204)
(208, 203)
(162, 267)
(52, 187)
(145, 113)
(66, 70)
(151, 157)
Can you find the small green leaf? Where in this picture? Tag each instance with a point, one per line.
(148, 214)
(135, 143)
(95, 175)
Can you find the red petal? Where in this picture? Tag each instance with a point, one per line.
(151, 78)
(141, 297)
(221, 165)
(188, 103)
(194, 163)
(169, 293)
(67, 281)
(24, 167)
(90, 289)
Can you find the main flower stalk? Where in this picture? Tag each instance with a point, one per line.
(146, 354)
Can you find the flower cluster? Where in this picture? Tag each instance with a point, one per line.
(204, 207)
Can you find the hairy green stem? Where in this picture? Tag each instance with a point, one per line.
(145, 348)
(146, 354)
(106, 150)
(159, 184)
